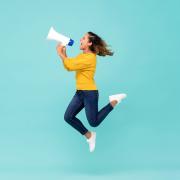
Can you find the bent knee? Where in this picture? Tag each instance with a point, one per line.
(67, 117)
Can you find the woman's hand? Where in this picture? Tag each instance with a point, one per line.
(61, 50)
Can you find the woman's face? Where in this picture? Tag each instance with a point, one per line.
(84, 42)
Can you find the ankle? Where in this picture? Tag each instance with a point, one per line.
(88, 135)
(113, 103)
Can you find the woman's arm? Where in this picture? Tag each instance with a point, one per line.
(61, 50)
(76, 63)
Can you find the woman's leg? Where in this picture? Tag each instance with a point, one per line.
(94, 117)
(75, 106)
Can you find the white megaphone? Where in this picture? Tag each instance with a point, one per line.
(53, 35)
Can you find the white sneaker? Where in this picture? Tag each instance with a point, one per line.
(117, 97)
(92, 141)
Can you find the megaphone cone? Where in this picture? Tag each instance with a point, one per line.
(53, 35)
(50, 34)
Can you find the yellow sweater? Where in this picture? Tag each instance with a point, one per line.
(85, 66)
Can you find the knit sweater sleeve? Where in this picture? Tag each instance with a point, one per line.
(79, 62)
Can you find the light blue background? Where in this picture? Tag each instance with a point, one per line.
(139, 139)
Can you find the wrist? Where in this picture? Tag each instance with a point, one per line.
(62, 56)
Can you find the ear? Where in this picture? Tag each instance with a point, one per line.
(89, 43)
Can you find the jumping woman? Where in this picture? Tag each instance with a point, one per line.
(86, 95)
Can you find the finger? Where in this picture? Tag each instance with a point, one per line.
(64, 49)
(59, 45)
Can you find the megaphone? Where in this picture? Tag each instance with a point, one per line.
(53, 35)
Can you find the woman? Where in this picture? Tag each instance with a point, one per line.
(86, 95)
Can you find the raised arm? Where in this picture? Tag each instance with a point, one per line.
(61, 50)
(76, 63)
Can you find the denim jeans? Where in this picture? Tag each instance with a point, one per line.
(87, 99)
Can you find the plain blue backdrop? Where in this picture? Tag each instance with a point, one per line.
(139, 139)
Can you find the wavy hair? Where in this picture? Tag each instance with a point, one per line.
(99, 46)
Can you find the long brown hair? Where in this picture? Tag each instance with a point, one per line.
(99, 46)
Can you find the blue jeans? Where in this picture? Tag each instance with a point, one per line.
(87, 99)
